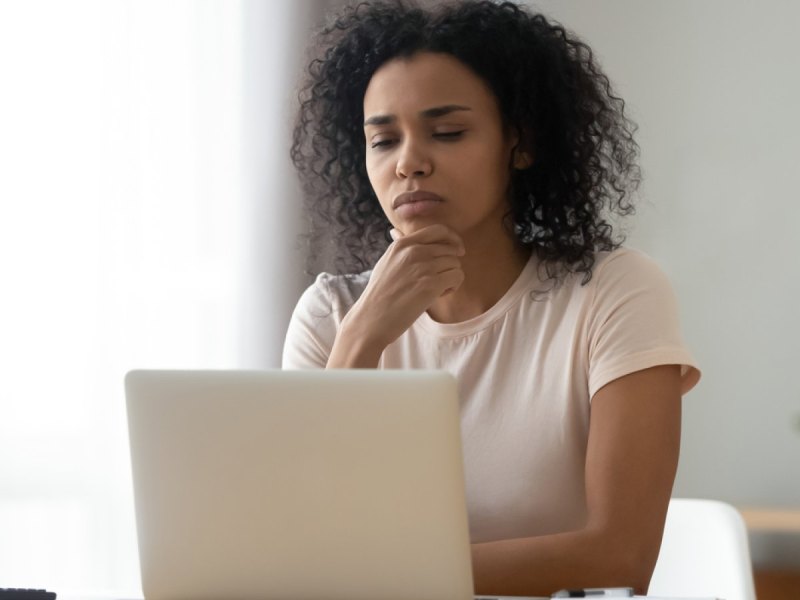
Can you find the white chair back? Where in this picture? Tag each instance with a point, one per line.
(704, 553)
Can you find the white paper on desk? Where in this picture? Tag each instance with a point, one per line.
(490, 597)
(679, 597)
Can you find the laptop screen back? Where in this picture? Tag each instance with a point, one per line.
(298, 484)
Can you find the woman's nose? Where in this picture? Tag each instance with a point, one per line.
(413, 161)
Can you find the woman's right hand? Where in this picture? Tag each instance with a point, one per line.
(415, 270)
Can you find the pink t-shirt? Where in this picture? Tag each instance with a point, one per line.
(527, 370)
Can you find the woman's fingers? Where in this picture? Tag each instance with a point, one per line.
(433, 234)
(436, 277)
(442, 264)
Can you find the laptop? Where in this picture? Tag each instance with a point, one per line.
(290, 485)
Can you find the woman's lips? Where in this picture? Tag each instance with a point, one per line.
(415, 204)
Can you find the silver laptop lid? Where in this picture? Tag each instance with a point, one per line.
(299, 484)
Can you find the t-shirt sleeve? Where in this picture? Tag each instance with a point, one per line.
(634, 322)
(312, 329)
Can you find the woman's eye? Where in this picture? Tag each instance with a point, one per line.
(445, 135)
(380, 143)
(451, 135)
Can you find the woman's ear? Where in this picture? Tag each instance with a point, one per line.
(522, 159)
(522, 150)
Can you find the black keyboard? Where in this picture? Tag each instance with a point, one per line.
(25, 594)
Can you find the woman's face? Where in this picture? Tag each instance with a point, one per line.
(432, 125)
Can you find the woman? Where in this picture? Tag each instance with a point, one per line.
(473, 155)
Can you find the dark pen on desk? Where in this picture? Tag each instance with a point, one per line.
(625, 592)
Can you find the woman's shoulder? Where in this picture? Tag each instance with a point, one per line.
(316, 317)
(627, 281)
(337, 292)
(615, 269)
(626, 264)
(624, 257)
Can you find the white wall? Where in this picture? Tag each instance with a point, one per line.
(715, 87)
(273, 45)
(147, 219)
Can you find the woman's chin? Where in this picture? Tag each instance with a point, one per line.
(409, 226)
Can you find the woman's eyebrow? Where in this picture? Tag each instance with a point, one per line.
(428, 113)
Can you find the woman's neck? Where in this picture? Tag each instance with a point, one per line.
(491, 267)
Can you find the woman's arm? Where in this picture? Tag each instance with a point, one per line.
(632, 456)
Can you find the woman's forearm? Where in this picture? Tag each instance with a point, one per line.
(539, 566)
(354, 348)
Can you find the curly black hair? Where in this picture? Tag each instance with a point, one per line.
(547, 83)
